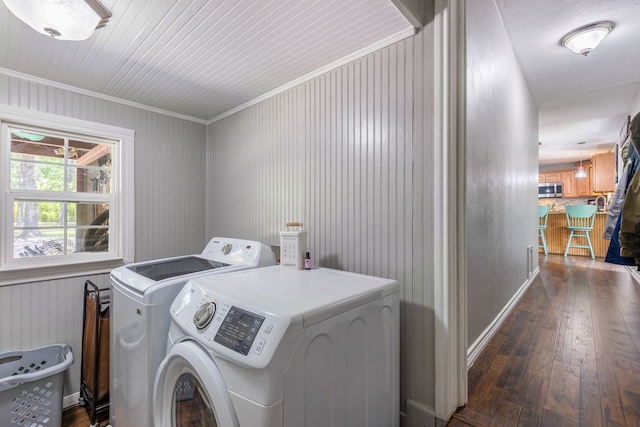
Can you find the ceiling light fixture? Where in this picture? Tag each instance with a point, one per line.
(61, 19)
(581, 173)
(585, 39)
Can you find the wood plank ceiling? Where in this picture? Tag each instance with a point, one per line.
(202, 58)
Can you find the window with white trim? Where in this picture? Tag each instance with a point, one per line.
(64, 203)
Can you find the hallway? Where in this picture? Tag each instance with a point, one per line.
(567, 355)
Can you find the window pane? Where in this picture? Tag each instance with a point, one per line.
(41, 242)
(91, 221)
(93, 171)
(45, 228)
(90, 153)
(91, 180)
(38, 146)
(31, 214)
(28, 175)
(39, 229)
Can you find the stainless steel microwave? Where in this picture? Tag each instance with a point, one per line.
(549, 189)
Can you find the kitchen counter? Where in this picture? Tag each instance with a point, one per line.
(557, 236)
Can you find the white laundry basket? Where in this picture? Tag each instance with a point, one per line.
(31, 384)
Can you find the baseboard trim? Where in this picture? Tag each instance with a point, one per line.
(634, 273)
(418, 415)
(71, 400)
(476, 348)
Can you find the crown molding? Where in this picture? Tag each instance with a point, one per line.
(38, 80)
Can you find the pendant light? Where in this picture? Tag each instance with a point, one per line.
(581, 173)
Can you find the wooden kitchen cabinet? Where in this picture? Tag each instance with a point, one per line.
(568, 184)
(603, 171)
(583, 185)
(553, 176)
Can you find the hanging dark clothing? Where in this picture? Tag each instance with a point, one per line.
(629, 236)
(613, 252)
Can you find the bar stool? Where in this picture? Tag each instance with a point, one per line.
(580, 219)
(543, 216)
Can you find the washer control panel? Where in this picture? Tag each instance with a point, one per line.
(228, 326)
(239, 329)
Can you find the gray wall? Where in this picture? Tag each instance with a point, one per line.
(169, 209)
(502, 173)
(349, 154)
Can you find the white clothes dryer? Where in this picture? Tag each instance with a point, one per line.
(271, 347)
(141, 294)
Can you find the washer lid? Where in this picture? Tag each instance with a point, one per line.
(174, 267)
(221, 255)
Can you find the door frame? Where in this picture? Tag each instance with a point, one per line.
(450, 285)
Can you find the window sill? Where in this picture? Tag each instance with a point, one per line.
(41, 274)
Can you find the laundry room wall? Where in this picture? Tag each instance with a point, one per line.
(169, 209)
(350, 155)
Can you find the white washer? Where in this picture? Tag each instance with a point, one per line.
(141, 294)
(272, 347)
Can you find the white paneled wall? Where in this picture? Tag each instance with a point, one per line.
(169, 210)
(331, 153)
(334, 153)
(341, 154)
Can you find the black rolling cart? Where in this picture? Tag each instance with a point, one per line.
(94, 377)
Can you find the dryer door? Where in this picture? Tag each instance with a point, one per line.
(189, 390)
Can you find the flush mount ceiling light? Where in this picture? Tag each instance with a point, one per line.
(585, 39)
(61, 19)
(581, 173)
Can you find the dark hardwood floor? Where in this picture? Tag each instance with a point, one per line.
(77, 416)
(567, 355)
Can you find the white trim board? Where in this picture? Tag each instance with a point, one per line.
(634, 273)
(417, 415)
(476, 348)
(70, 400)
(450, 297)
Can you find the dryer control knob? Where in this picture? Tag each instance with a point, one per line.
(204, 314)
